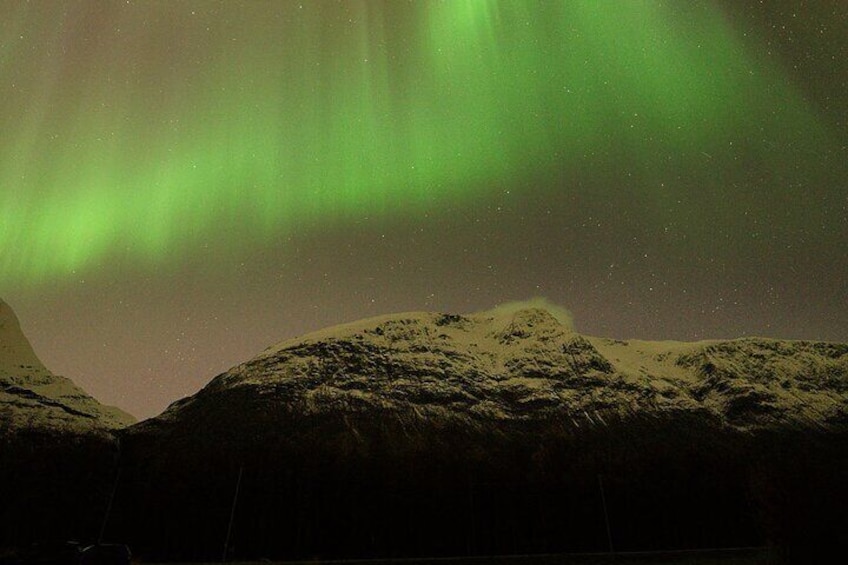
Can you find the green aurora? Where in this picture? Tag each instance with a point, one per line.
(178, 130)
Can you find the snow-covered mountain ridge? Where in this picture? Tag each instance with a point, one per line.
(442, 434)
(528, 365)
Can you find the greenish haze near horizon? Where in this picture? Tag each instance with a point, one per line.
(176, 132)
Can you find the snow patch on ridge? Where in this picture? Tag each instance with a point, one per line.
(508, 310)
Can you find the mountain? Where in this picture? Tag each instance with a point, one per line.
(57, 447)
(32, 398)
(494, 433)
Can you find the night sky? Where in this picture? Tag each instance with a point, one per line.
(185, 183)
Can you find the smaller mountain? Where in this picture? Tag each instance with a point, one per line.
(34, 399)
(58, 450)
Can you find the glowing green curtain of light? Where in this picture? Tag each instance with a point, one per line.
(297, 116)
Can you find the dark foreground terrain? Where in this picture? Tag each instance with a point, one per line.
(743, 556)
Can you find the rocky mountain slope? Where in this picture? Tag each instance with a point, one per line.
(499, 432)
(33, 398)
(527, 365)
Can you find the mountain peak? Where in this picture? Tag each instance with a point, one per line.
(536, 309)
(534, 322)
(16, 353)
(34, 398)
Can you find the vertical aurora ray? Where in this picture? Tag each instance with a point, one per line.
(149, 130)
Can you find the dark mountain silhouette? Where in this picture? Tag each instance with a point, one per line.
(499, 432)
(57, 447)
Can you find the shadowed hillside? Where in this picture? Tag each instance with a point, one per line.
(432, 434)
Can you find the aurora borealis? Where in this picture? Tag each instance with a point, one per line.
(184, 183)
